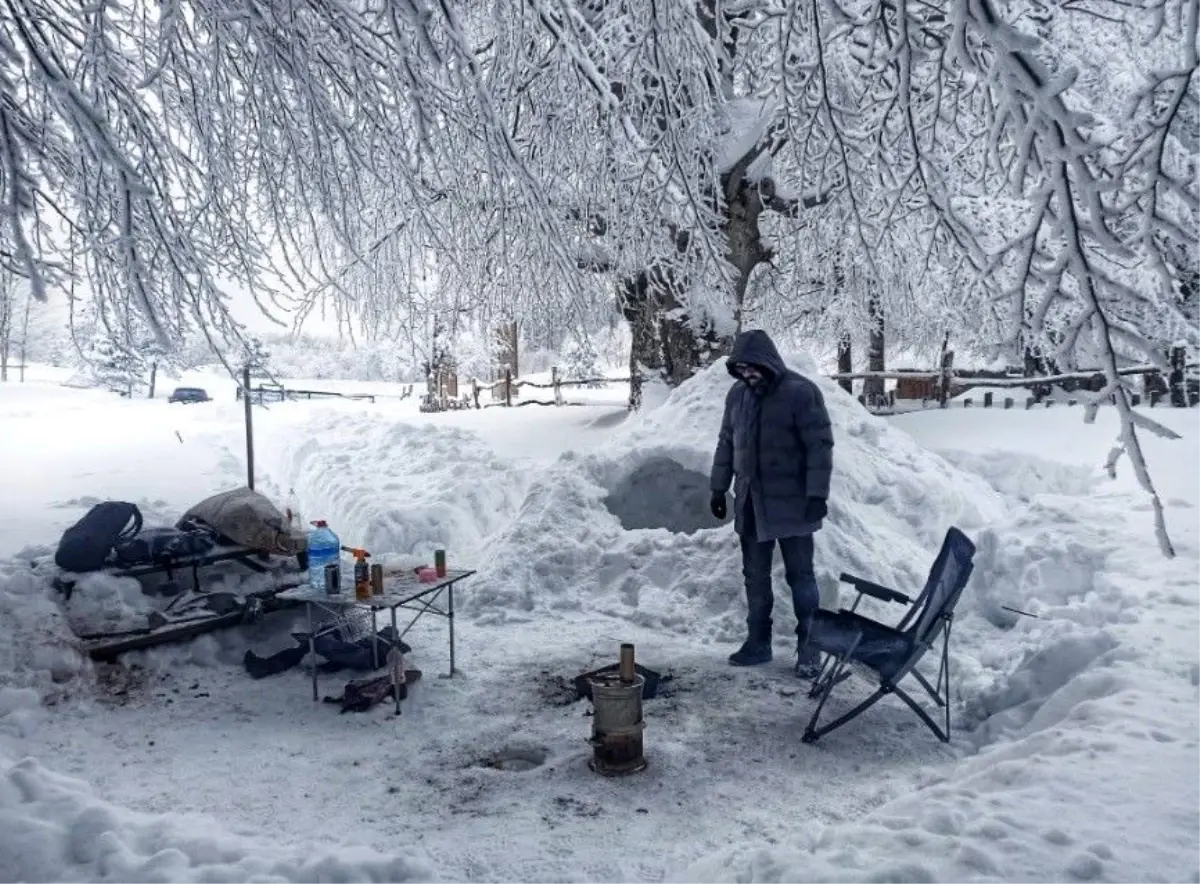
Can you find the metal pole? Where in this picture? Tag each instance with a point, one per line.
(250, 433)
(312, 650)
(396, 676)
(628, 669)
(450, 617)
(374, 642)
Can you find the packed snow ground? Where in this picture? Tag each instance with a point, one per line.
(1076, 757)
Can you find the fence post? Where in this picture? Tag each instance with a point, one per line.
(1008, 403)
(508, 387)
(987, 399)
(249, 428)
(1175, 379)
(558, 400)
(946, 377)
(475, 392)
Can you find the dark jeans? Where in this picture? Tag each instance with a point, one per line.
(798, 567)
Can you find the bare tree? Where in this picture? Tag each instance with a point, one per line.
(165, 150)
(7, 311)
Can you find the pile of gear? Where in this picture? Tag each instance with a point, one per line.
(111, 533)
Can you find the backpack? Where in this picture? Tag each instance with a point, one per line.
(87, 544)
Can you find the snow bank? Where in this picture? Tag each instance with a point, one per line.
(56, 830)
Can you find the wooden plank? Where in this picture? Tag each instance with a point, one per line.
(112, 647)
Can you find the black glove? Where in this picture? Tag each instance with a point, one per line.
(815, 509)
(717, 504)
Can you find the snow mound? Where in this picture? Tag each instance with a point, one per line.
(1051, 680)
(623, 532)
(56, 830)
(39, 654)
(1024, 476)
(397, 487)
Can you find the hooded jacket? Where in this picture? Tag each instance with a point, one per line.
(777, 441)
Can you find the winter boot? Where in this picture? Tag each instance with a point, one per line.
(808, 658)
(756, 650)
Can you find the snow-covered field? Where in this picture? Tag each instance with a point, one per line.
(1076, 754)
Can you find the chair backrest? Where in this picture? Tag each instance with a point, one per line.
(947, 579)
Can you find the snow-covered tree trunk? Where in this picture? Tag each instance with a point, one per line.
(24, 354)
(507, 349)
(668, 341)
(876, 361)
(845, 361)
(6, 322)
(744, 204)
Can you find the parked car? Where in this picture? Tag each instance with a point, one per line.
(189, 394)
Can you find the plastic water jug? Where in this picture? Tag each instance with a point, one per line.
(324, 548)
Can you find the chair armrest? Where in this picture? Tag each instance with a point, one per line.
(874, 589)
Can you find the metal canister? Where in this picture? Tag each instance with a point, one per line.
(377, 580)
(333, 578)
(439, 562)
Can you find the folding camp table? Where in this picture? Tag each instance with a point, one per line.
(401, 592)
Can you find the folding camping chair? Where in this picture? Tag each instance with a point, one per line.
(886, 654)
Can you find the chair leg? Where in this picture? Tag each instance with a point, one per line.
(934, 693)
(833, 670)
(827, 681)
(944, 674)
(824, 686)
(812, 733)
(943, 735)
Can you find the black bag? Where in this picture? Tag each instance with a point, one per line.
(162, 546)
(87, 544)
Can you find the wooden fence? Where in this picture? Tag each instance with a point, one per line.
(271, 393)
(1179, 387)
(921, 389)
(505, 392)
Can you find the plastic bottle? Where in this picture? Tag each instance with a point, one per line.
(324, 548)
(362, 576)
(291, 512)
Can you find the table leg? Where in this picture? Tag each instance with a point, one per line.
(374, 643)
(395, 675)
(312, 650)
(450, 617)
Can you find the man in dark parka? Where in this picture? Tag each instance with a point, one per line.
(776, 439)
